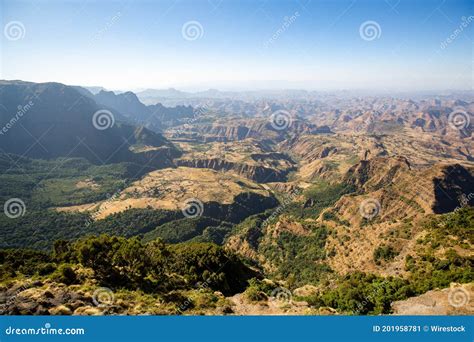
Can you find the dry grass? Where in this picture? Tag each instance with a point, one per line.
(170, 188)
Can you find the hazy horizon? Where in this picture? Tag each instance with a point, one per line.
(191, 89)
(320, 45)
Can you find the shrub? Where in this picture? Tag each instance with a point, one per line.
(385, 253)
(258, 290)
(65, 274)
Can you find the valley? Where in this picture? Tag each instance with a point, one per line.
(242, 203)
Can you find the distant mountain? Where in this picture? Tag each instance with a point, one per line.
(171, 116)
(152, 96)
(166, 93)
(237, 129)
(49, 120)
(94, 90)
(130, 106)
(154, 117)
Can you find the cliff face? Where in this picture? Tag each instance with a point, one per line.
(375, 173)
(453, 188)
(72, 125)
(249, 158)
(244, 205)
(404, 191)
(391, 201)
(389, 208)
(256, 173)
(260, 128)
(156, 158)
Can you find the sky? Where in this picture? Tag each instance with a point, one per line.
(240, 44)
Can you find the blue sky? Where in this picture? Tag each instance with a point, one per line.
(240, 44)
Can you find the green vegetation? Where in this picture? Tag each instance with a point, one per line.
(252, 228)
(143, 271)
(211, 264)
(39, 229)
(352, 160)
(429, 272)
(258, 290)
(133, 222)
(324, 193)
(122, 263)
(331, 216)
(61, 182)
(207, 228)
(298, 258)
(318, 197)
(385, 253)
(131, 253)
(19, 261)
(458, 225)
(360, 293)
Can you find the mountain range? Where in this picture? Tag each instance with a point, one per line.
(335, 204)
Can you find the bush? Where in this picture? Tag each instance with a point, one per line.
(385, 253)
(22, 261)
(360, 293)
(209, 265)
(118, 262)
(45, 269)
(299, 258)
(65, 274)
(258, 290)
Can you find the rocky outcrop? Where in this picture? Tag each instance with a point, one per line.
(453, 189)
(256, 173)
(239, 129)
(156, 158)
(36, 298)
(456, 300)
(376, 173)
(71, 125)
(244, 205)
